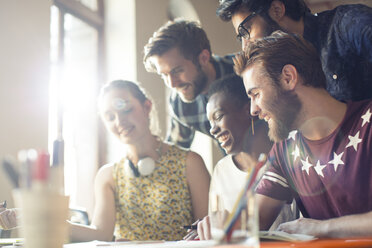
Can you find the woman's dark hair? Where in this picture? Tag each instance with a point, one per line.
(232, 86)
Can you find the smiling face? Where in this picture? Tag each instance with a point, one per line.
(125, 116)
(180, 74)
(279, 108)
(229, 123)
(257, 26)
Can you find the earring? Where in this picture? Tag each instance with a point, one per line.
(252, 125)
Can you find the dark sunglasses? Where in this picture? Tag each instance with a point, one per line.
(243, 32)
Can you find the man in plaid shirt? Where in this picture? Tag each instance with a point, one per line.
(180, 53)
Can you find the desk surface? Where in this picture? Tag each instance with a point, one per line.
(322, 243)
(144, 244)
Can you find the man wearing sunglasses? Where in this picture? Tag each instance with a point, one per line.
(342, 37)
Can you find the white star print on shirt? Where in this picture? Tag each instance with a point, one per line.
(336, 160)
(306, 165)
(296, 153)
(319, 168)
(354, 141)
(292, 135)
(366, 117)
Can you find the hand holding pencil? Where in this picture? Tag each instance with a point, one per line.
(192, 231)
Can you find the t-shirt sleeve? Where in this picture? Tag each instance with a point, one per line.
(274, 183)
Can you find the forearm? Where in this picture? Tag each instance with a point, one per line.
(103, 221)
(358, 225)
(83, 233)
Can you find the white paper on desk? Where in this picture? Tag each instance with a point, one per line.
(146, 244)
(11, 241)
(283, 236)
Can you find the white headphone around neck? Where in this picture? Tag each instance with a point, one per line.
(144, 167)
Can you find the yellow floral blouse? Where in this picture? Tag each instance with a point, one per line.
(153, 207)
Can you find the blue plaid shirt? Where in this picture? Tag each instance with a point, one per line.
(186, 118)
(343, 38)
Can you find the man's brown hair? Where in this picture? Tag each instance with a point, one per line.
(187, 36)
(280, 49)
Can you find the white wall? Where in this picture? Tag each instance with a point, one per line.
(24, 78)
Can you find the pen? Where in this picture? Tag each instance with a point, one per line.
(192, 227)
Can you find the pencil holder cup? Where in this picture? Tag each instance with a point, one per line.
(43, 215)
(245, 229)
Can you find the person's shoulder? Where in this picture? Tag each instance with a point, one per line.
(363, 104)
(223, 163)
(358, 108)
(349, 12)
(106, 169)
(105, 174)
(193, 155)
(352, 8)
(192, 158)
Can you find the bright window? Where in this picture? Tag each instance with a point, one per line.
(75, 75)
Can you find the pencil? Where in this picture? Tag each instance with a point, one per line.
(241, 201)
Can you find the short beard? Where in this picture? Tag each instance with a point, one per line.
(200, 82)
(285, 109)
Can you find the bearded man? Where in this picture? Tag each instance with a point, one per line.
(322, 156)
(180, 53)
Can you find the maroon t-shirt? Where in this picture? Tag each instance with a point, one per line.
(330, 177)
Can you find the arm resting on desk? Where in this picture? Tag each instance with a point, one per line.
(357, 225)
(103, 222)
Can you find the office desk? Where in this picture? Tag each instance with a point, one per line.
(322, 243)
(145, 244)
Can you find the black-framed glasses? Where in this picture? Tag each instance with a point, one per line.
(243, 32)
